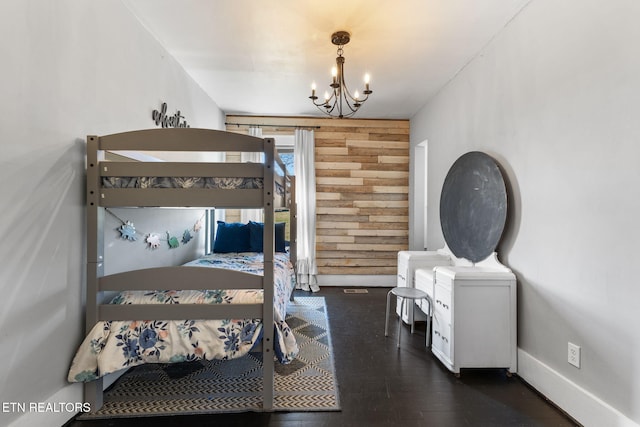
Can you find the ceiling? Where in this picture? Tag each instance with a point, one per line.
(260, 57)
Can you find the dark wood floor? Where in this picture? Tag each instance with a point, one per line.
(383, 386)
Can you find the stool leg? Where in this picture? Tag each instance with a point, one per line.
(400, 320)
(386, 319)
(413, 315)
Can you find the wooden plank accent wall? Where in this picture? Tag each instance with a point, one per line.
(362, 189)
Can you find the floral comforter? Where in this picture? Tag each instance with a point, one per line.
(115, 345)
(186, 182)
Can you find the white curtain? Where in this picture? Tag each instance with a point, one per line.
(304, 165)
(256, 215)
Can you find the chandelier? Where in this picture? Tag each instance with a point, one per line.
(338, 101)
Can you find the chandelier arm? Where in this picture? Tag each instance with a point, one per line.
(331, 105)
(326, 110)
(355, 100)
(320, 104)
(355, 103)
(351, 107)
(330, 115)
(328, 106)
(346, 90)
(323, 111)
(335, 104)
(324, 101)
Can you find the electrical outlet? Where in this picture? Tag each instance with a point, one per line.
(573, 356)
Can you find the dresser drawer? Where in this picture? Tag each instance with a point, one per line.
(442, 302)
(403, 270)
(442, 340)
(402, 278)
(441, 335)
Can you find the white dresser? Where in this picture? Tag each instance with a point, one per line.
(474, 312)
(474, 318)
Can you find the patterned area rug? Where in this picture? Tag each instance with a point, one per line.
(207, 387)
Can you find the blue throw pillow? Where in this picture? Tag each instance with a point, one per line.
(232, 237)
(256, 236)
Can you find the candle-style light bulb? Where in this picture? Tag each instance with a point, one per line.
(367, 78)
(356, 95)
(313, 96)
(326, 96)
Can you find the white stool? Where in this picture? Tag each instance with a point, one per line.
(411, 294)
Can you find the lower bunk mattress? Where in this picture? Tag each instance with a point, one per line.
(114, 345)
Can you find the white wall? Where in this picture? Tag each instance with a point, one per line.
(69, 68)
(555, 98)
(138, 253)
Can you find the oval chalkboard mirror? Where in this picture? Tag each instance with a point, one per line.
(473, 206)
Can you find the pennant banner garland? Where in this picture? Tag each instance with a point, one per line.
(153, 240)
(128, 232)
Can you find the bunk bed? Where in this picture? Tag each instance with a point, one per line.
(253, 282)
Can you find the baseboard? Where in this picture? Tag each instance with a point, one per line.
(365, 281)
(583, 406)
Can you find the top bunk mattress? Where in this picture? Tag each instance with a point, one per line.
(181, 182)
(242, 183)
